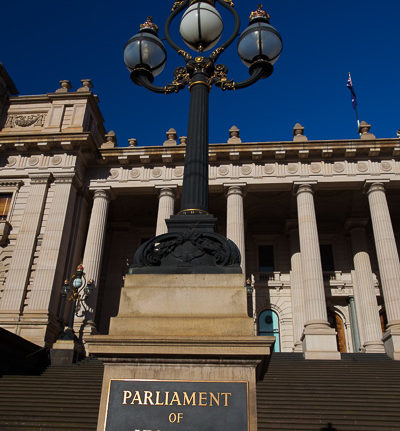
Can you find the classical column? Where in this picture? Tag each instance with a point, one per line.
(364, 290)
(389, 265)
(95, 245)
(53, 251)
(235, 220)
(12, 302)
(296, 285)
(166, 202)
(319, 340)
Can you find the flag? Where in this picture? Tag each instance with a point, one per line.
(353, 94)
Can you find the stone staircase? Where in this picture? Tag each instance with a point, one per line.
(60, 399)
(359, 393)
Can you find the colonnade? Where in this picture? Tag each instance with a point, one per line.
(311, 328)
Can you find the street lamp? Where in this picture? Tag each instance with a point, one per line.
(191, 244)
(76, 292)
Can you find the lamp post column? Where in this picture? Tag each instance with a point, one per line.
(389, 265)
(195, 178)
(319, 340)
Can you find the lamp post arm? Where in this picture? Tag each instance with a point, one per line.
(259, 70)
(144, 79)
(227, 5)
(176, 9)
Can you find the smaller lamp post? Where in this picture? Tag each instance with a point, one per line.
(76, 292)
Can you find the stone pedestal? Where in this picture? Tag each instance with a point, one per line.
(391, 341)
(188, 329)
(320, 343)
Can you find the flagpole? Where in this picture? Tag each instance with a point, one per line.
(354, 105)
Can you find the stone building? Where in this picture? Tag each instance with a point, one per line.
(316, 221)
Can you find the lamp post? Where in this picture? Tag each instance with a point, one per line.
(76, 292)
(191, 245)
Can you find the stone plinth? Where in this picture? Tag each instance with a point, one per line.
(203, 359)
(183, 305)
(183, 328)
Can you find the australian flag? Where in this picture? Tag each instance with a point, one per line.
(353, 94)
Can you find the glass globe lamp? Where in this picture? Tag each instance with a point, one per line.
(201, 26)
(145, 50)
(77, 283)
(260, 41)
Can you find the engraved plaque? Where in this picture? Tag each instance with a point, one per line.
(169, 405)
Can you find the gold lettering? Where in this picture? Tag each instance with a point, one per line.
(214, 398)
(137, 398)
(187, 401)
(226, 394)
(148, 395)
(158, 399)
(127, 394)
(175, 399)
(166, 398)
(202, 399)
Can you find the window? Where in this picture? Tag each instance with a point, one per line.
(5, 201)
(266, 258)
(327, 257)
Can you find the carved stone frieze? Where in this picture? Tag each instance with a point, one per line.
(338, 167)
(157, 172)
(246, 170)
(114, 174)
(33, 161)
(26, 120)
(269, 169)
(135, 173)
(315, 167)
(56, 160)
(386, 166)
(178, 172)
(12, 161)
(362, 166)
(292, 168)
(223, 170)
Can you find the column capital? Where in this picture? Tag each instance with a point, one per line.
(304, 187)
(169, 191)
(67, 178)
(41, 178)
(104, 193)
(235, 189)
(375, 185)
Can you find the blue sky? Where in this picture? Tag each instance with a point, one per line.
(43, 42)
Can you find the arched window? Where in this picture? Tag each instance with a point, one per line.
(268, 324)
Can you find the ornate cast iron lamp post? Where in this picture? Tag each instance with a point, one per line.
(76, 292)
(191, 245)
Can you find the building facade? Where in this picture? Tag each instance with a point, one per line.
(316, 222)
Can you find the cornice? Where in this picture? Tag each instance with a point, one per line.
(52, 96)
(259, 151)
(45, 142)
